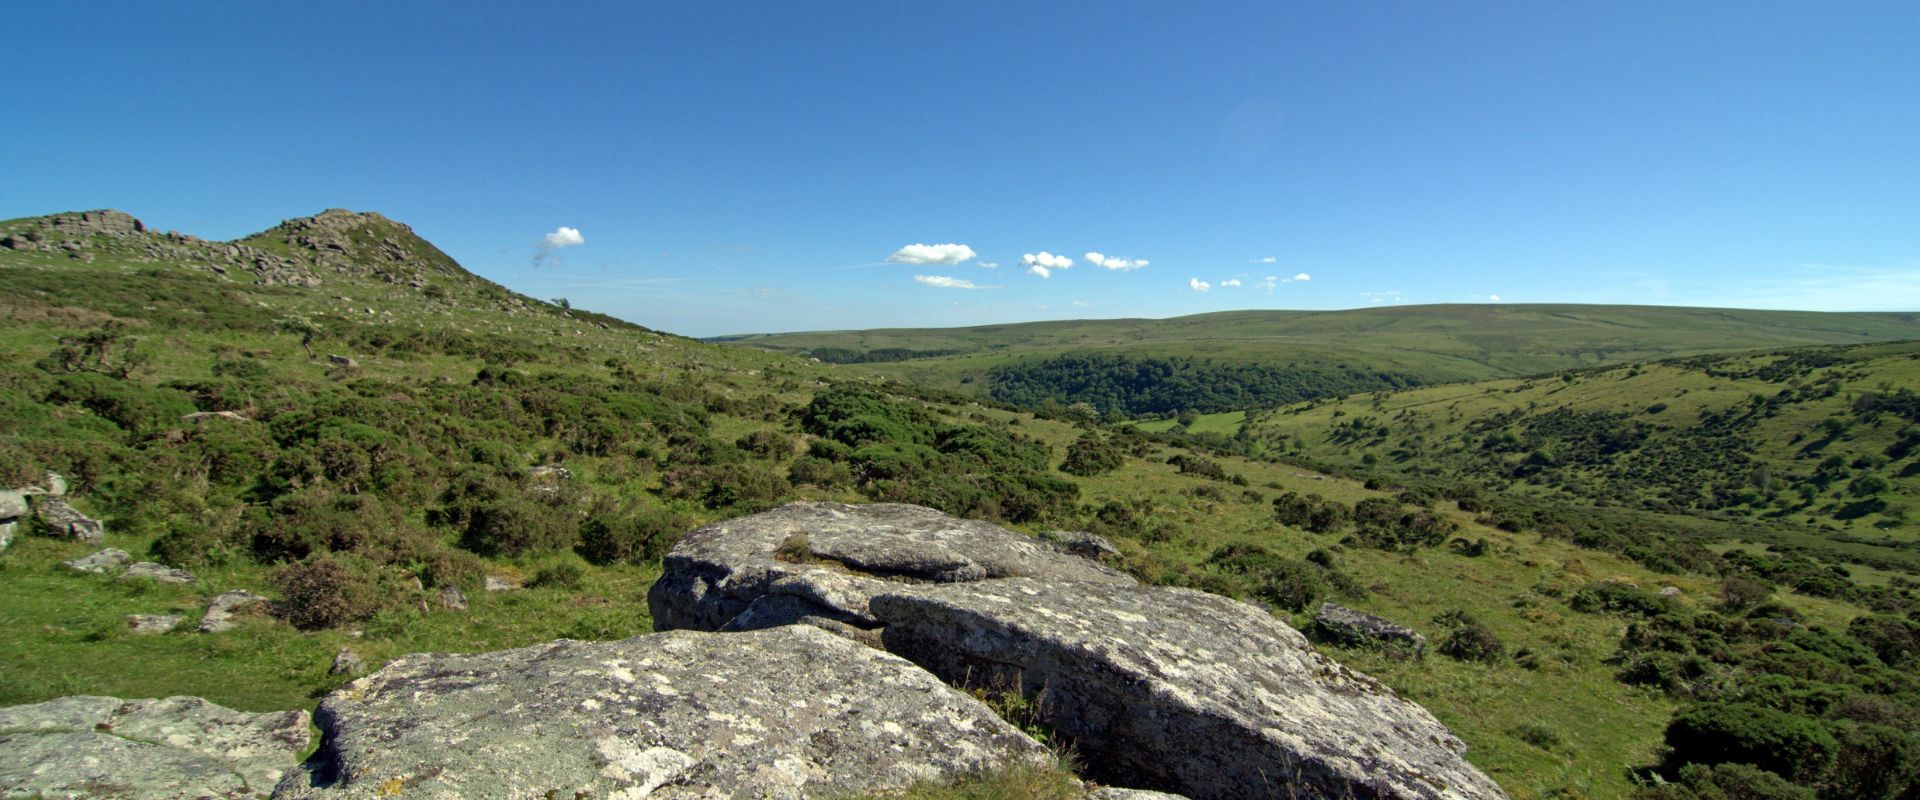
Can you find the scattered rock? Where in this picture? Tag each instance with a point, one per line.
(102, 562)
(854, 552)
(13, 507)
(347, 662)
(56, 485)
(161, 573)
(1182, 691)
(1670, 591)
(496, 583)
(224, 613)
(783, 713)
(1081, 543)
(152, 623)
(65, 520)
(342, 361)
(198, 417)
(453, 598)
(561, 473)
(1110, 793)
(180, 747)
(1349, 628)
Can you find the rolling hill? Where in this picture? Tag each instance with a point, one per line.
(1390, 345)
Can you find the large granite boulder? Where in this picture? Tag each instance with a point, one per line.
(179, 747)
(781, 713)
(811, 561)
(1182, 691)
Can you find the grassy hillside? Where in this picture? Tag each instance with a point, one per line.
(356, 494)
(1433, 343)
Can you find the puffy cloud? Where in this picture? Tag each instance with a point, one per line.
(1198, 285)
(1267, 260)
(552, 242)
(1045, 260)
(1233, 282)
(944, 282)
(1115, 264)
(1036, 269)
(931, 254)
(1300, 276)
(1494, 298)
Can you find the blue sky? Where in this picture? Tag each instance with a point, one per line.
(741, 167)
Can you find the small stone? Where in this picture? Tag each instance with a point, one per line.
(1349, 628)
(453, 598)
(13, 504)
(152, 623)
(198, 417)
(496, 583)
(1081, 543)
(159, 573)
(342, 361)
(1670, 591)
(102, 562)
(223, 614)
(347, 662)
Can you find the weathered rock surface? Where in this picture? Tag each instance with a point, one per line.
(226, 611)
(347, 662)
(101, 563)
(65, 520)
(855, 552)
(1350, 628)
(1080, 543)
(179, 747)
(13, 507)
(159, 573)
(495, 583)
(452, 598)
(1182, 691)
(152, 623)
(1110, 793)
(782, 713)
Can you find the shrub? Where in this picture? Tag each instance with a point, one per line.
(329, 590)
(631, 535)
(766, 444)
(1619, 598)
(563, 572)
(514, 526)
(1726, 782)
(1286, 583)
(1794, 747)
(1467, 639)
(1092, 454)
(816, 471)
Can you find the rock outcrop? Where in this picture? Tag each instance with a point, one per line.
(1349, 628)
(823, 561)
(100, 563)
(783, 713)
(13, 508)
(1164, 689)
(1182, 691)
(176, 748)
(156, 572)
(152, 623)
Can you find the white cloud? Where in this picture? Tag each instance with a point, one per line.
(1303, 277)
(944, 282)
(1382, 297)
(552, 242)
(1115, 264)
(988, 265)
(1081, 304)
(931, 254)
(1267, 260)
(1267, 284)
(1233, 282)
(1494, 298)
(1045, 260)
(1036, 269)
(1198, 285)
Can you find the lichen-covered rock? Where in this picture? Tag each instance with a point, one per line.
(1081, 543)
(226, 611)
(160, 573)
(179, 747)
(853, 552)
(347, 662)
(783, 713)
(152, 623)
(101, 562)
(66, 521)
(1349, 628)
(1111, 793)
(1182, 691)
(496, 583)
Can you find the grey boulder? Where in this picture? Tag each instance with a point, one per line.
(1346, 627)
(1182, 691)
(159, 573)
(825, 560)
(782, 713)
(100, 563)
(152, 623)
(226, 611)
(179, 747)
(64, 520)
